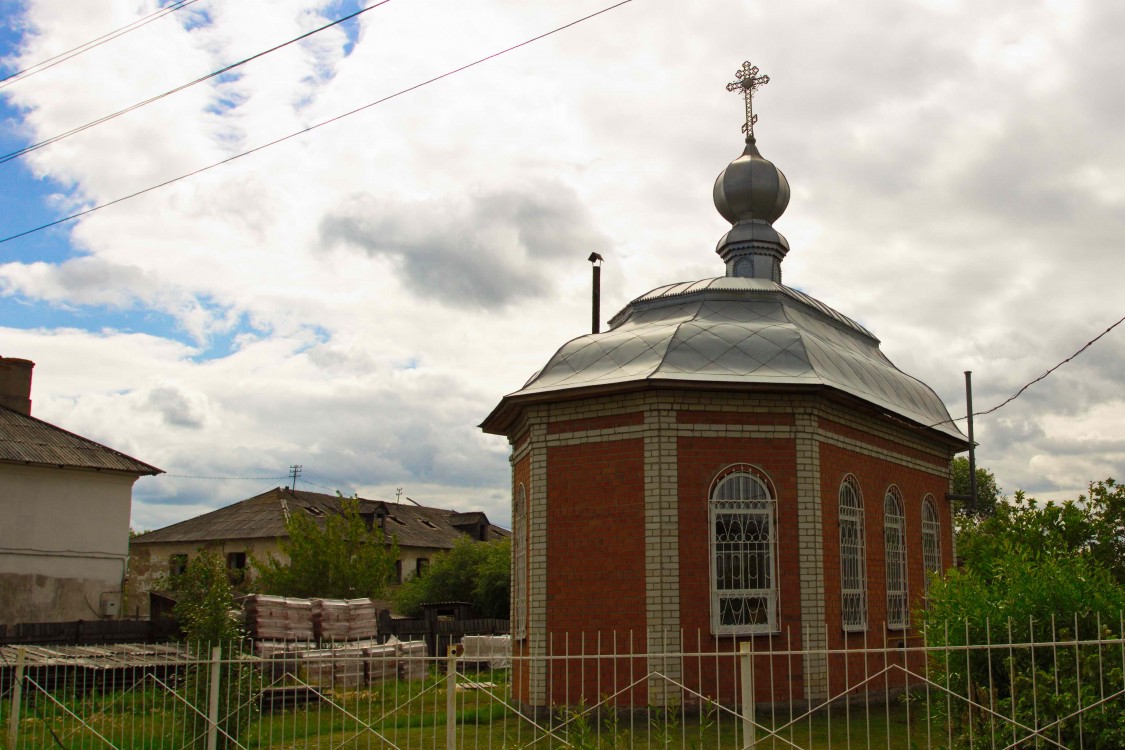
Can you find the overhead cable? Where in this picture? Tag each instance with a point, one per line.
(73, 131)
(230, 479)
(70, 54)
(1019, 393)
(330, 120)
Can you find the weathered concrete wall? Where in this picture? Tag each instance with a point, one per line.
(150, 564)
(64, 537)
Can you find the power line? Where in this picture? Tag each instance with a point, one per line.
(229, 479)
(311, 127)
(1019, 393)
(73, 131)
(70, 54)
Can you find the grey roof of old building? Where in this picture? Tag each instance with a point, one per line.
(32, 442)
(263, 517)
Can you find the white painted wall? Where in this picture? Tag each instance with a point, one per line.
(64, 537)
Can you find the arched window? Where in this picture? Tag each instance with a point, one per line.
(519, 564)
(853, 560)
(931, 540)
(741, 515)
(894, 538)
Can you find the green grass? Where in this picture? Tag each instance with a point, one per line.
(413, 715)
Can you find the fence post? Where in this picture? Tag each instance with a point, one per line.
(451, 697)
(746, 657)
(17, 688)
(213, 703)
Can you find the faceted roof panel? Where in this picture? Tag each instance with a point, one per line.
(740, 330)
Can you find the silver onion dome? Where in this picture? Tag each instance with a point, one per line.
(752, 193)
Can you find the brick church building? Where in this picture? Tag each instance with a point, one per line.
(732, 461)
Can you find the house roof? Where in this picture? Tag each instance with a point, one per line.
(30, 441)
(263, 517)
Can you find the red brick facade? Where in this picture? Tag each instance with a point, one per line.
(618, 532)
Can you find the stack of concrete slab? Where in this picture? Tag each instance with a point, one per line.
(381, 662)
(412, 661)
(494, 651)
(279, 618)
(337, 620)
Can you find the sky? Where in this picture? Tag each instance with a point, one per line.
(358, 298)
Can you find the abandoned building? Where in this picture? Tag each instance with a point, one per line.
(255, 526)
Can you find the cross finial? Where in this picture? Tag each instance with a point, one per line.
(747, 82)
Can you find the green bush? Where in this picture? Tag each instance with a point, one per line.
(472, 571)
(1020, 595)
(206, 613)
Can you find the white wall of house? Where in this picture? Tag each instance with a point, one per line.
(64, 536)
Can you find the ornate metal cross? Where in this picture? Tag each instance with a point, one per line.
(747, 82)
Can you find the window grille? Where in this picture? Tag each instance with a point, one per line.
(894, 536)
(743, 554)
(853, 560)
(519, 564)
(931, 541)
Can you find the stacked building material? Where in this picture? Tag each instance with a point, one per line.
(382, 662)
(316, 666)
(337, 620)
(412, 662)
(493, 651)
(279, 618)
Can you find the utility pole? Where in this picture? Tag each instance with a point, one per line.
(970, 498)
(398, 494)
(294, 472)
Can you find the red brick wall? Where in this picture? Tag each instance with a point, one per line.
(595, 558)
(596, 423)
(700, 461)
(875, 475)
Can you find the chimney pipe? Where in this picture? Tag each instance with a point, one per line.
(15, 384)
(596, 259)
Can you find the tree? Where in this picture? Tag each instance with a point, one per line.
(206, 612)
(1093, 526)
(988, 493)
(343, 559)
(477, 572)
(205, 608)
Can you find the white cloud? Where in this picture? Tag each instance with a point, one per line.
(385, 279)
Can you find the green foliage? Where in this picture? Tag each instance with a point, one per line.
(343, 559)
(1033, 573)
(205, 607)
(206, 613)
(1092, 526)
(472, 571)
(989, 495)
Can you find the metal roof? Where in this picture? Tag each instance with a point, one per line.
(735, 330)
(27, 440)
(263, 517)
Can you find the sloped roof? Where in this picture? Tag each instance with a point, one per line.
(263, 517)
(30, 441)
(734, 330)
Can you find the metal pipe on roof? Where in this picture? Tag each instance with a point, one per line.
(597, 259)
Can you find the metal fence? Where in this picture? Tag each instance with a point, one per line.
(1014, 685)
